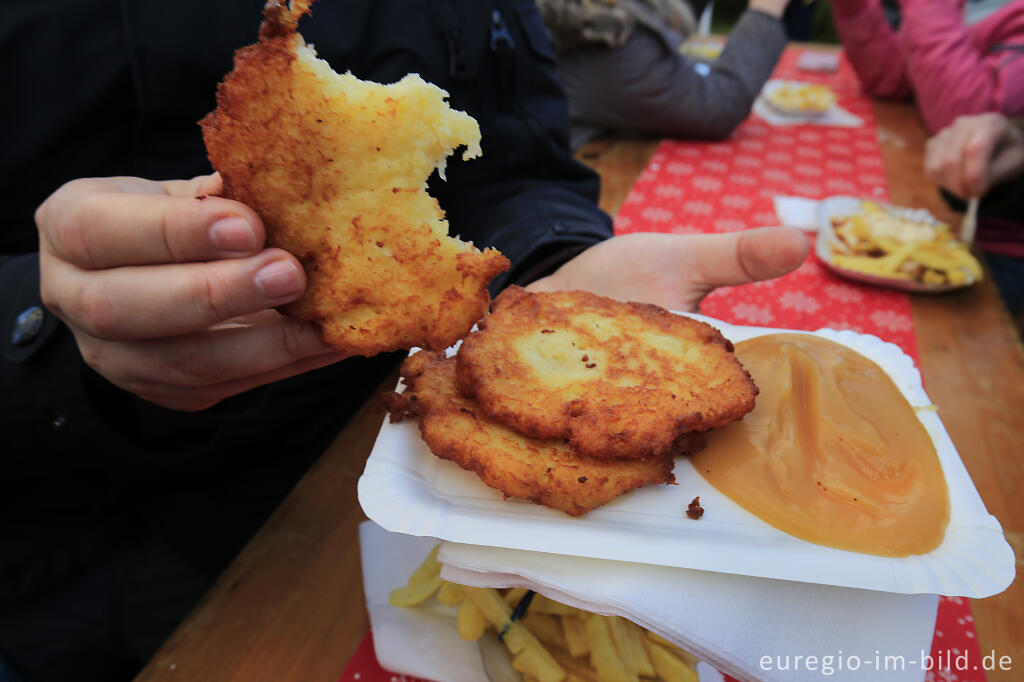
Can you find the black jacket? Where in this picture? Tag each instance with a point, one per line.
(107, 87)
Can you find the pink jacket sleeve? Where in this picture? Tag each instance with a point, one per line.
(945, 64)
(950, 67)
(872, 47)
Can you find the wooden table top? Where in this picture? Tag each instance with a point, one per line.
(291, 605)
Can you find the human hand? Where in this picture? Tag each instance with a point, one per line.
(168, 290)
(974, 154)
(677, 271)
(773, 8)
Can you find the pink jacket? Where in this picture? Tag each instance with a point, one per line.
(952, 69)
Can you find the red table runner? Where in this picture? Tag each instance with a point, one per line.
(692, 187)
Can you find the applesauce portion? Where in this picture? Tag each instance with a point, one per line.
(832, 452)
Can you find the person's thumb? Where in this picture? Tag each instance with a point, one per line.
(754, 255)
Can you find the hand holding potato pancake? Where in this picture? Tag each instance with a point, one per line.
(337, 169)
(167, 294)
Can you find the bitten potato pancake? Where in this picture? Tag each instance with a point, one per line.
(618, 380)
(337, 169)
(547, 472)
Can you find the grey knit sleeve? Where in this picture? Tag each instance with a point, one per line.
(647, 87)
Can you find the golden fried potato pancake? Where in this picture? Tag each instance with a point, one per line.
(618, 380)
(547, 472)
(337, 168)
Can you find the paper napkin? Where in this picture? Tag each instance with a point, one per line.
(422, 641)
(751, 628)
(797, 212)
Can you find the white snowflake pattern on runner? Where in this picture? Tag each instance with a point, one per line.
(809, 136)
(807, 170)
(656, 214)
(751, 145)
(635, 197)
(871, 179)
(810, 268)
(751, 313)
(623, 222)
(806, 189)
(840, 325)
(839, 166)
(799, 301)
(747, 162)
(714, 166)
(678, 168)
(843, 293)
(736, 201)
(779, 157)
(765, 218)
(743, 180)
(720, 149)
(809, 152)
(756, 129)
(698, 207)
(776, 175)
(784, 140)
(684, 229)
(669, 191)
(729, 225)
(839, 149)
(840, 185)
(706, 184)
(891, 320)
(689, 151)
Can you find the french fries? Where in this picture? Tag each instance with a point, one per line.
(877, 242)
(670, 668)
(471, 621)
(604, 657)
(423, 583)
(552, 642)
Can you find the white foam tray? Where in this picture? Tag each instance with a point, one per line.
(406, 489)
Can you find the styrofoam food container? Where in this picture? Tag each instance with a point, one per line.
(406, 489)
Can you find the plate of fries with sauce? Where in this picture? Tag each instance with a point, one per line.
(899, 248)
(527, 637)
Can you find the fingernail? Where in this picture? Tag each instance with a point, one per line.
(279, 281)
(233, 234)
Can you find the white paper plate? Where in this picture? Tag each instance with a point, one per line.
(837, 207)
(406, 489)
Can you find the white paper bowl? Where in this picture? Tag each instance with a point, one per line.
(406, 489)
